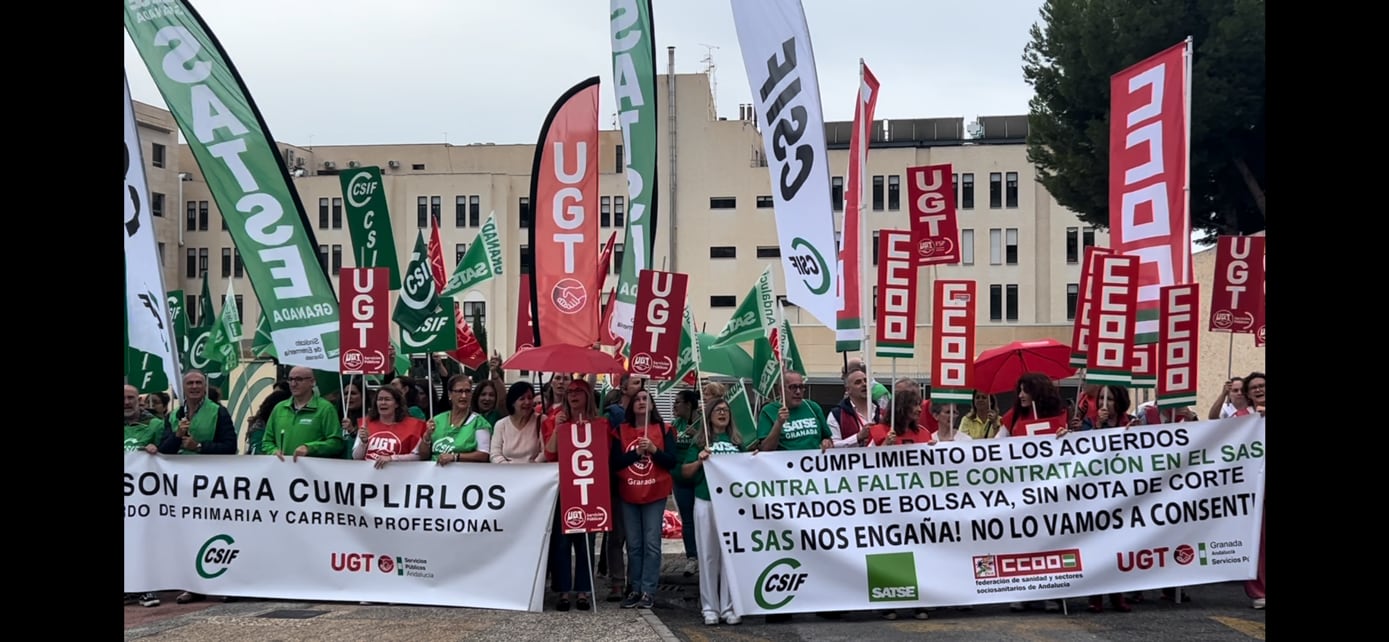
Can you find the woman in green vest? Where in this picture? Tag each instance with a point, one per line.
(457, 434)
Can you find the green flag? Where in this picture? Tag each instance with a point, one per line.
(225, 343)
(755, 317)
(261, 345)
(200, 334)
(435, 334)
(369, 221)
(482, 261)
(246, 175)
(762, 353)
(743, 418)
(418, 299)
(179, 318)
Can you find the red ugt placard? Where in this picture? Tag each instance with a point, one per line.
(656, 326)
(364, 322)
(1238, 297)
(585, 503)
(931, 202)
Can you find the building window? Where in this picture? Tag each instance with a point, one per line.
(837, 193)
(202, 216)
(422, 211)
(337, 259)
(723, 252)
(1011, 188)
(995, 303)
(523, 209)
(474, 210)
(191, 271)
(768, 251)
(226, 262)
(458, 252)
(322, 213)
(1011, 296)
(955, 187)
(202, 261)
(967, 247)
(238, 269)
(190, 311)
(192, 223)
(723, 202)
(525, 258)
(475, 312)
(873, 307)
(419, 167)
(616, 267)
(157, 204)
(460, 211)
(619, 211)
(1072, 298)
(156, 154)
(1010, 253)
(337, 213)
(323, 258)
(1087, 237)
(161, 256)
(875, 248)
(995, 190)
(436, 208)
(766, 201)
(605, 211)
(967, 191)
(894, 192)
(995, 247)
(619, 162)
(1072, 245)
(877, 193)
(240, 311)
(722, 301)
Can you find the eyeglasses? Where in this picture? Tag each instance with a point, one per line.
(1258, 387)
(460, 391)
(795, 386)
(719, 410)
(301, 378)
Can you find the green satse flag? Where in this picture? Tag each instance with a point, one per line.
(369, 221)
(482, 261)
(261, 345)
(245, 174)
(225, 344)
(755, 316)
(634, 85)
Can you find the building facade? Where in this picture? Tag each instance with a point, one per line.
(714, 217)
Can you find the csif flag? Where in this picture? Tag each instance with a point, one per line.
(780, 64)
(369, 221)
(564, 233)
(848, 334)
(246, 175)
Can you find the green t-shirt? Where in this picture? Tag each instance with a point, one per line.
(316, 425)
(721, 445)
(414, 411)
(804, 430)
(492, 416)
(457, 439)
(145, 431)
(684, 437)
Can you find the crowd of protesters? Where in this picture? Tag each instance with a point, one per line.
(487, 421)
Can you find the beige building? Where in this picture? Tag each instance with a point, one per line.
(715, 219)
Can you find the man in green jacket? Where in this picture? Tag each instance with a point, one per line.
(305, 425)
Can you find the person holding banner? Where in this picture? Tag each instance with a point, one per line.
(390, 433)
(905, 428)
(516, 437)
(142, 431)
(305, 425)
(457, 434)
(1038, 409)
(1254, 392)
(715, 599)
(570, 568)
(849, 421)
(643, 454)
(799, 424)
(1231, 400)
(204, 427)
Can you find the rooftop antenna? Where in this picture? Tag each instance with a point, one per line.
(709, 68)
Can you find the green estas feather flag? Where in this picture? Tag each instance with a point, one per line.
(225, 344)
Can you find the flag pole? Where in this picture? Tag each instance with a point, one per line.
(780, 348)
(861, 162)
(1186, 166)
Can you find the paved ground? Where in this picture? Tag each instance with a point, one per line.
(1216, 612)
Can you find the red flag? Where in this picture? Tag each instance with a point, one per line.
(1177, 357)
(952, 342)
(1148, 217)
(365, 324)
(897, 272)
(656, 334)
(605, 260)
(564, 234)
(605, 327)
(585, 502)
(848, 333)
(1237, 298)
(1085, 299)
(436, 257)
(931, 202)
(1112, 316)
(469, 352)
(525, 330)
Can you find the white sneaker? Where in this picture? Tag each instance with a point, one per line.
(732, 619)
(691, 567)
(1259, 604)
(710, 619)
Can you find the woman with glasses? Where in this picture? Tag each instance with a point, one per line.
(457, 434)
(390, 433)
(643, 454)
(715, 600)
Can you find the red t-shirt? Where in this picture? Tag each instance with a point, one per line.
(402, 438)
(1027, 426)
(879, 433)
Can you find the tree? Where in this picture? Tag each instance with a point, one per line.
(1079, 44)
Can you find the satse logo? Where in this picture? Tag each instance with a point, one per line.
(892, 577)
(214, 560)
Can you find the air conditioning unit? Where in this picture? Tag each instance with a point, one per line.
(353, 164)
(298, 162)
(393, 164)
(329, 165)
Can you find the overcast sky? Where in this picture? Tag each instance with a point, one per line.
(422, 71)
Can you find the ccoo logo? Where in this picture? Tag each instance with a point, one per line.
(212, 560)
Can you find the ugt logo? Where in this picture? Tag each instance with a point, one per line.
(213, 560)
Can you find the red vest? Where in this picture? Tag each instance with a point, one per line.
(643, 482)
(1027, 426)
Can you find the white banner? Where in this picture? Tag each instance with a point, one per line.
(999, 520)
(780, 64)
(339, 530)
(147, 309)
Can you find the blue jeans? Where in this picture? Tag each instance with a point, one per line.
(643, 523)
(684, 500)
(570, 569)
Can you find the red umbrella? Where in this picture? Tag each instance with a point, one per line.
(998, 370)
(561, 357)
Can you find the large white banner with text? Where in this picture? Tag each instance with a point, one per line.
(340, 530)
(998, 520)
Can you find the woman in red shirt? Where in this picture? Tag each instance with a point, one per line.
(906, 427)
(1037, 410)
(570, 567)
(390, 434)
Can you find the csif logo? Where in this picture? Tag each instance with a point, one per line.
(214, 560)
(810, 265)
(892, 577)
(776, 583)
